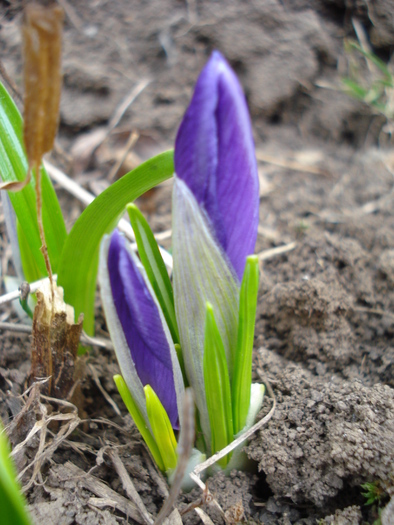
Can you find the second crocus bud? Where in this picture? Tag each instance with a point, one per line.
(143, 344)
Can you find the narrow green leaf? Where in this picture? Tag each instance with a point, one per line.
(161, 428)
(78, 266)
(154, 267)
(374, 59)
(138, 419)
(12, 504)
(242, 378)
(217, 387)
(31, 270)
(13, 167)
(355, 89)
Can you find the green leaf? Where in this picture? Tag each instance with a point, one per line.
(138, 419)
(12, 504)
(30, 267)
(217, 387)
(78, 266)
(161, 428)
(355, 89)
(154, 267)
(242, 377)
(13, 167)
(374, 59)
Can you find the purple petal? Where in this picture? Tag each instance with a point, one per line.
(214, 156)
(142, 325)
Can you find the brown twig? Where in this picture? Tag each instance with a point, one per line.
(105, 394)
(131, 141)
(129, 487)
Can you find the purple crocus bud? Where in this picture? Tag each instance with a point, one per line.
(142, 341)
(214, 156)
(215, 216)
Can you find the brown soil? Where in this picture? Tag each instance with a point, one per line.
(326, 307)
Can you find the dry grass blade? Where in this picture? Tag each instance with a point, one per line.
(68, 423)
(105, 394)
(129, 487)
(42, 33)
(125, 104)
(273, 252)
(133, 137)
(185, 445)
(33, 287)
(174, 518)
(374, 311)
(291, 165)
(85, 339)
(204, 517)
(109, 497)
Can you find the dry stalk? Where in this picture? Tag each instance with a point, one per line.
(273, 252)
(129, 487)
(204, 517)
(55, 343)
(133, 137)
(107, 497)
(46, 448)
(42, 38)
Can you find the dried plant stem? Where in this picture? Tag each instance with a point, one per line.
(44, 248)
(44, 251)
(133, 137)
(129, 487)
(273, 252)
(11, 296)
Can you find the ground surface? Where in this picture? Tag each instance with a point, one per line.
(325, 325)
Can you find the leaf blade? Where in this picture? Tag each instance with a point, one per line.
(217, 387)
(242, 378)
(83, 242)
(13, 167)
(161, 429)
(12, 504)
(154, 266)
(138, 419)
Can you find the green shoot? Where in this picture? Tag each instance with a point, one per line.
(217, 387)
(242, 379)
(374, 493)
(138, 419)
(12, 504)
(13, 168)
(373, 85)
(154, 267)
(161, 428)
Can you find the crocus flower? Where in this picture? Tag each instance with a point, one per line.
(214, 156)
(215, 216)
(142, 341)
